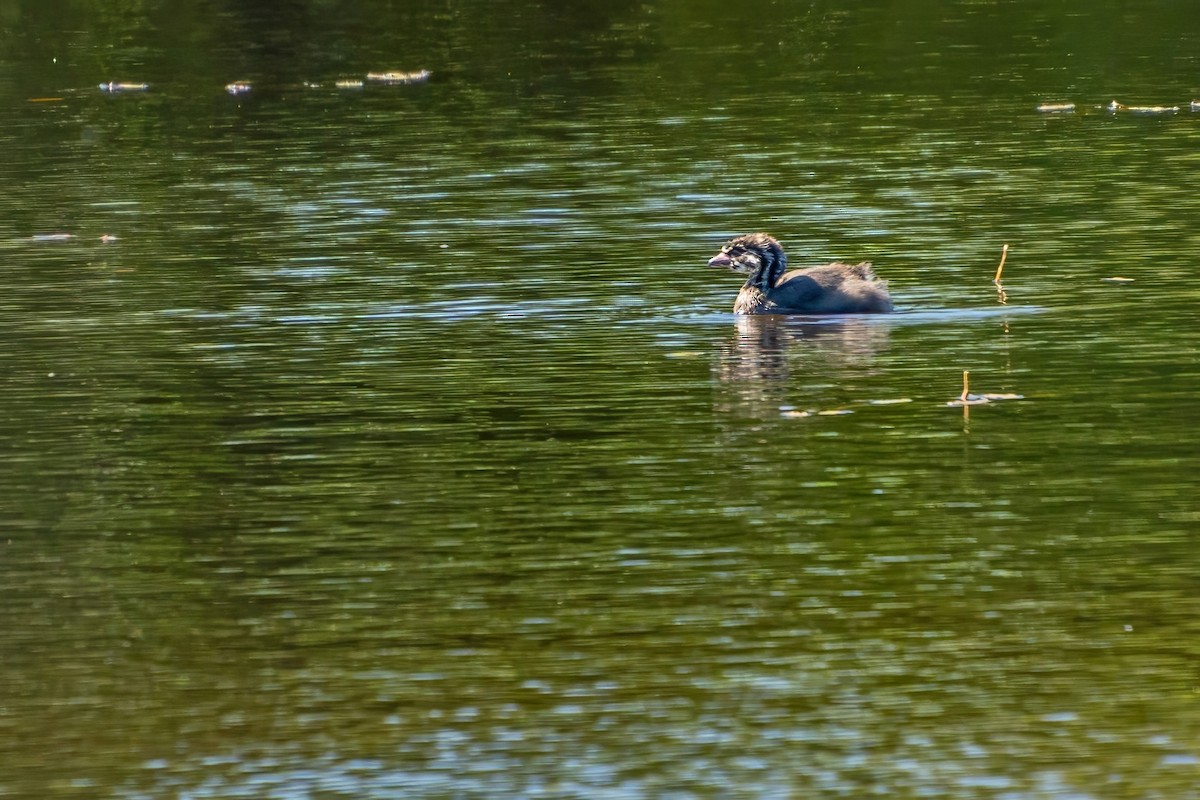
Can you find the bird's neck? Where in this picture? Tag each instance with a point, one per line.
(750, 300)
(766, 276)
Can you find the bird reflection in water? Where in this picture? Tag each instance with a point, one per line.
(772, 361)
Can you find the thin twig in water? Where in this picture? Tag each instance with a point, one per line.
(963, 396)
(1000, 269)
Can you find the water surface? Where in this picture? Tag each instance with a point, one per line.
(401, 444)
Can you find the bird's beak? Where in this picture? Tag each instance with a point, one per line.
(720, 260)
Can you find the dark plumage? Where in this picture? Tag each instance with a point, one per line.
(770, 289)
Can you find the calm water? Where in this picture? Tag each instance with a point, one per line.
(402, 445)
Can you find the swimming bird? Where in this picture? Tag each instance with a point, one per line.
(770, 289)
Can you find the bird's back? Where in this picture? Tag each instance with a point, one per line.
(830, 289)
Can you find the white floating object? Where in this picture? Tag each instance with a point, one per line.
(238, 87)
(982, 399)
(117, 86)
(1143, 111)
(418, 76)
(1056, 108)
(966, 399)
(1151, 111)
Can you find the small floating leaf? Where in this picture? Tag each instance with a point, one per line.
(1117, 279)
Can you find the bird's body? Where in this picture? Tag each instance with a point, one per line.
(771, 289)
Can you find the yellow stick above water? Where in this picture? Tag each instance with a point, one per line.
(1000, 269)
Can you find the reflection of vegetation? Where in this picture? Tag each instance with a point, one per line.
(297, 40)
(553, 50)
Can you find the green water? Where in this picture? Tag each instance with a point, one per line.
(402, 445)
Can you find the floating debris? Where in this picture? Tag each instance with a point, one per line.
(788, 412)
(1143, 111)
(349, 84)
(46, 99)
(400, 77)
(1153, 111)
(1116, 107)
(1117, 279)
(1056, 108)
(66, 237)
(238, 87)
(893, 402)
(968, 399)
(116, 86)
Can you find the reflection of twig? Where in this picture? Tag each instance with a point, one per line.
(1000, 269)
